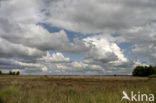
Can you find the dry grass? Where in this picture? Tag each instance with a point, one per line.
(71, 89)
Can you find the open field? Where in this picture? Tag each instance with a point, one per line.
(71, 89)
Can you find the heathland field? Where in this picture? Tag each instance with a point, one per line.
(72, 89)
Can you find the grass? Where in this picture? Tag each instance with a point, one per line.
(66, 89)
(152, 76)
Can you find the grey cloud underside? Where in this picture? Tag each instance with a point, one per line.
(35, 36)
(102, 15)
(110, 16)
(24, 43)
(144, 38)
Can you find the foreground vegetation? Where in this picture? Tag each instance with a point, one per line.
(67, 89)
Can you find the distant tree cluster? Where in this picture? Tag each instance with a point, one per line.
(14, 73)
(10, 73)
(144, 70)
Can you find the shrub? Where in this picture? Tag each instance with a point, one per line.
(0, 72)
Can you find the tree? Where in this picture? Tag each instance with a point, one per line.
(13, 73)
(17, 73)
(0, 72)
(10, 73)
(144, 70)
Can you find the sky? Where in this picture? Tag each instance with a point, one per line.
(77, 37)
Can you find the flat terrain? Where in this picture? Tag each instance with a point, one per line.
(71, 89)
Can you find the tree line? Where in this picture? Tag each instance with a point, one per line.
(10, 73)
(138, 71)
(144, 71)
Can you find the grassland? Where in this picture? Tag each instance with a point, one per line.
(71, 89)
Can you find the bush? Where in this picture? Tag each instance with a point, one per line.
(0, 72)
(144, 70)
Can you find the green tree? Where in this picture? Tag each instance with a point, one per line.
(17, 73)
(13, 73)
(144, 70)
(0, 72)
(10, 73)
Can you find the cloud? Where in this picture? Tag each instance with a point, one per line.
(32, 65)
(24, 43)
(35, 36)
(55, 58)
(10, 49)
(106, 53)
(104, 49)
(92, 16)
(144, 38)
(8, 64)
(21, 11)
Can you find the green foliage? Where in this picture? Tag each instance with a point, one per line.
(1, 101)
(17, 73)
(9, 94)
(153, 76)
(144, 70)
(10, 72)
(10, 90)
(0, 72)
(14, 73)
